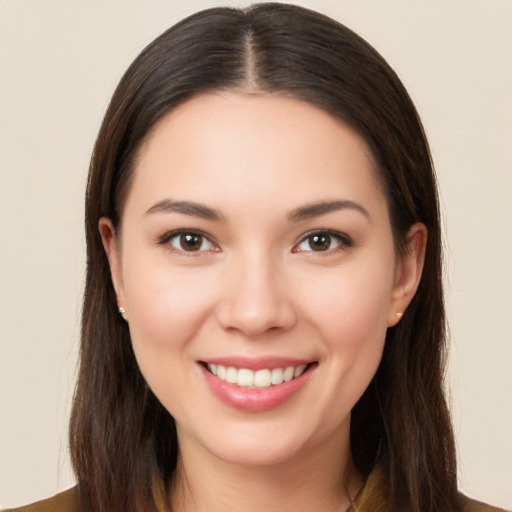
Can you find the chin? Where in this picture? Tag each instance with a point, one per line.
(252, 453)
(267, 442)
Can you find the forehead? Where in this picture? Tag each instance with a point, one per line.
(222, 144)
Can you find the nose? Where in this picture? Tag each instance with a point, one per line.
(256, 299)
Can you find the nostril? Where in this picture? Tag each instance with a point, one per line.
(254, 316)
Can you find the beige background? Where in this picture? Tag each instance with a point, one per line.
(59, 63)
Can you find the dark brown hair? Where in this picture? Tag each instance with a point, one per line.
(122, 439)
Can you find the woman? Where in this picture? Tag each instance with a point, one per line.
(263, 322)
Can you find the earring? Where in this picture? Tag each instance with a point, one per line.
(122, 312)
(399, 314)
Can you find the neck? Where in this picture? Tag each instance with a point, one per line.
(319, 478)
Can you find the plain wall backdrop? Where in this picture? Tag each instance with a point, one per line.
(59, 63)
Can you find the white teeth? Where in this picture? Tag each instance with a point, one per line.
(221, 372)
(288, 374)
(231, 375)
(277, 376)
(299, 370)
(245, 378)
(260, 379)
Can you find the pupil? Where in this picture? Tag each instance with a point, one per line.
(190, 242)
(320, 242)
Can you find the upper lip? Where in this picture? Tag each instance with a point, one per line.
(257, 363)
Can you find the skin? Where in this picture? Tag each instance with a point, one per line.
(256, 288)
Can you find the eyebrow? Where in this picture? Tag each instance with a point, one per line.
(302, 213)
(186, 208)
(315, 210)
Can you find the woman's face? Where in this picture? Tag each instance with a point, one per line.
(257, 268)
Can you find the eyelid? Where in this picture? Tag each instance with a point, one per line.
(344, 240)
(167, 237)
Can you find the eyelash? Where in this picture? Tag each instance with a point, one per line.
(343, 241)
(178, 233)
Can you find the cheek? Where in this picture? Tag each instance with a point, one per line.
(350, 309)
(354, 332)
(351, 305)
(166, 308)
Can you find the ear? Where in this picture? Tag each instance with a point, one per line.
(112, 249)
(408, 273)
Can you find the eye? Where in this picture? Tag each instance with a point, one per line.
(322, 241)
(189, 241)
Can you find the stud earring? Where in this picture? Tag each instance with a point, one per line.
(122, 312)
(399, 314)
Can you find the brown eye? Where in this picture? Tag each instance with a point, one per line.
(322, 241)
(319, 242)
(191, 242)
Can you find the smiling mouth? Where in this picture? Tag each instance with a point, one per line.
(259, 379)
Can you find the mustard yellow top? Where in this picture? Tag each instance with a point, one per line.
(371, 498)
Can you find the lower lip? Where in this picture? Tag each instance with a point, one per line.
(255, 400)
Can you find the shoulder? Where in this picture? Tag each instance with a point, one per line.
(470, 505)
(373, 496)
(62, 502)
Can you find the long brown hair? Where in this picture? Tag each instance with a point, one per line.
(122, 439)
